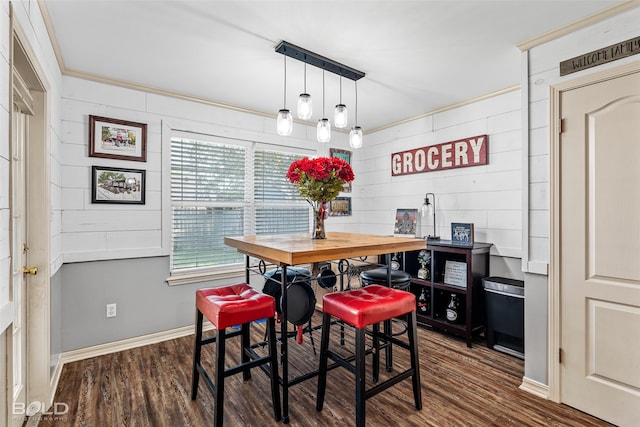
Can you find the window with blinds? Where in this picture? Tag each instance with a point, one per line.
(220, 189)
(278, 205)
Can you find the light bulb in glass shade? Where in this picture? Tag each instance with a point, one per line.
(427, 207)
(340, 116)
(305, 106)
(284, 123)
(355, 137)
(324, 130)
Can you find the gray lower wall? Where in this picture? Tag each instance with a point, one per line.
(56, 319)
(536, 327)
(146, 304)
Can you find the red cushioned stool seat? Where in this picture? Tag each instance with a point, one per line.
(234, 305)
(362, 307)
(226, 306)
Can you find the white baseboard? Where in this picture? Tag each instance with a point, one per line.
(126, 344)
(535, 387)
(55, 378)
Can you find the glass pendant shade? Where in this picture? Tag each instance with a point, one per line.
(426, 208)
(284, 122)
(355, 137)
(340, 116)
(324, 130)
(305, 106)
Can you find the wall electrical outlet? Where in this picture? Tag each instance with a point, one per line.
(111, 310)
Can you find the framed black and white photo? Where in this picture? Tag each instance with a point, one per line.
(117, 139)
(117, 185)
(462, 233)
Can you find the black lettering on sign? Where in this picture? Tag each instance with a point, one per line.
(601, 56)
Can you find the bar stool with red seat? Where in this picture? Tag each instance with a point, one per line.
(360, 308)
(224, 307)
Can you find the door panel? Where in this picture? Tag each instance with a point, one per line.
(19, 260)
(600, 249)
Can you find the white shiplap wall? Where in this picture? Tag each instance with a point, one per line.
(488, 196)
(99, 231)
(544, 71)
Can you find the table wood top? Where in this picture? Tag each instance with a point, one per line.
(294, 249)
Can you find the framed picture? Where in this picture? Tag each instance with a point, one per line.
(340, 206)
(117, 139)
(406, 222)
(346, 156)
(462, 233)
(455, 273)
(117, 185)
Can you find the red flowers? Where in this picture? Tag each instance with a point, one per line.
(321, 168)
(320, 179)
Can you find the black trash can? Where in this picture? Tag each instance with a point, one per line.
(399, 279)
(504, 308)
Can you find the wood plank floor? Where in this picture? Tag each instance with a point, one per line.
(150, 386)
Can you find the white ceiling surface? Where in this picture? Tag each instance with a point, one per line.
(418, 56)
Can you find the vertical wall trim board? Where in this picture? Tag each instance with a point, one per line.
(524, 129)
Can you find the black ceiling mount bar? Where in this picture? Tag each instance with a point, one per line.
(319, 61)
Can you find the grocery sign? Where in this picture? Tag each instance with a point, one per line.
(448, 155)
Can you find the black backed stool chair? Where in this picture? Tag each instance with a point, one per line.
(399, 280)
(361, 308)
(228, 306)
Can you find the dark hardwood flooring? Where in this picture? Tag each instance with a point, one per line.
(150, 386)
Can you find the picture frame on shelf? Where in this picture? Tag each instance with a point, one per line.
(406, 222)
(117, 185)
(340, 206)
(455, 273)
(462, 233)
(117, 139)
(346, 156)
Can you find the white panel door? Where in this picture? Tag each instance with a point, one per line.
(600, 249)
(18, 262)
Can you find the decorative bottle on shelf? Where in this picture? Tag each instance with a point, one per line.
(452, 309)
(395, 263)
(423, 302)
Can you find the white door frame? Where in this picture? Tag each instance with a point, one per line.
(24, 60)
(554, 210)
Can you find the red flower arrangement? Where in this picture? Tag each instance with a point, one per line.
(321, 179)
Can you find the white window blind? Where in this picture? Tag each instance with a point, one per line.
(220, 189)
(279, 207)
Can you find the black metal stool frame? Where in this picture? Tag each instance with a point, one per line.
(361, 393)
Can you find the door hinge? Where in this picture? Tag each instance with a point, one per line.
(561, 125)
(559, 355)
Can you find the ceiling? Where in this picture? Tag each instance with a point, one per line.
(418, 56)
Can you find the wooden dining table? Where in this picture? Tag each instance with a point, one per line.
(286, 250)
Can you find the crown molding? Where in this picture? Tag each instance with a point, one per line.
(579, 24)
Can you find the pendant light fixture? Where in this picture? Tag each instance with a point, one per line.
(340, 116)
(355, 136)
(324, 127)
(305, 105)
(304, 111)
(284, 121)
